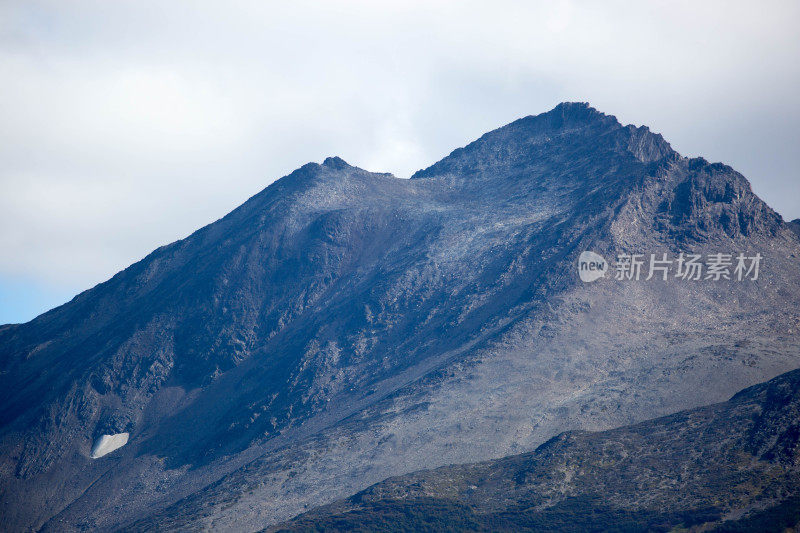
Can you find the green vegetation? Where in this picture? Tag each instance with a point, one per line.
(578, 515)
(678, 473)
(777, 519)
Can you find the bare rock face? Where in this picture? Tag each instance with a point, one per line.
(343, 326)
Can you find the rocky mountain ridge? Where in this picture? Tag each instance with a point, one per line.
(342, 326)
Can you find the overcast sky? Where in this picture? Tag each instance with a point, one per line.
(127, 125)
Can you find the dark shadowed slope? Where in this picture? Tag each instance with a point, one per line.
(343, 326)
(733, 466)
(794, 225)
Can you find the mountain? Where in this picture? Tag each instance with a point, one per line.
(733, 466)
(343, 326)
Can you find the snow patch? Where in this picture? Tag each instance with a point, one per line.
(108, 443)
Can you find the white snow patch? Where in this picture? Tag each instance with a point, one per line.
(108, 443)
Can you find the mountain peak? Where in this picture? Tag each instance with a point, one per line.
(575, 106)
(568, 127)
(335, 162)
(569, 115)
(578, 112)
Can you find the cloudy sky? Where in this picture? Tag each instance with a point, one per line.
(127, 125)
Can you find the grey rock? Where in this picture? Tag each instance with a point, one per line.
(342, 326)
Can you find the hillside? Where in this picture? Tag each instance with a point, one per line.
(344, 326)
(733, 466)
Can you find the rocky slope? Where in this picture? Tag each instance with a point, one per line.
(733, 466)
(342, 326)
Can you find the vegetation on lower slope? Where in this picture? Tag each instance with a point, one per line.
(730, 467)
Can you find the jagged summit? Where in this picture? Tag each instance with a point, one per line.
(567, 128)
(572, 114)
(335, 162)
